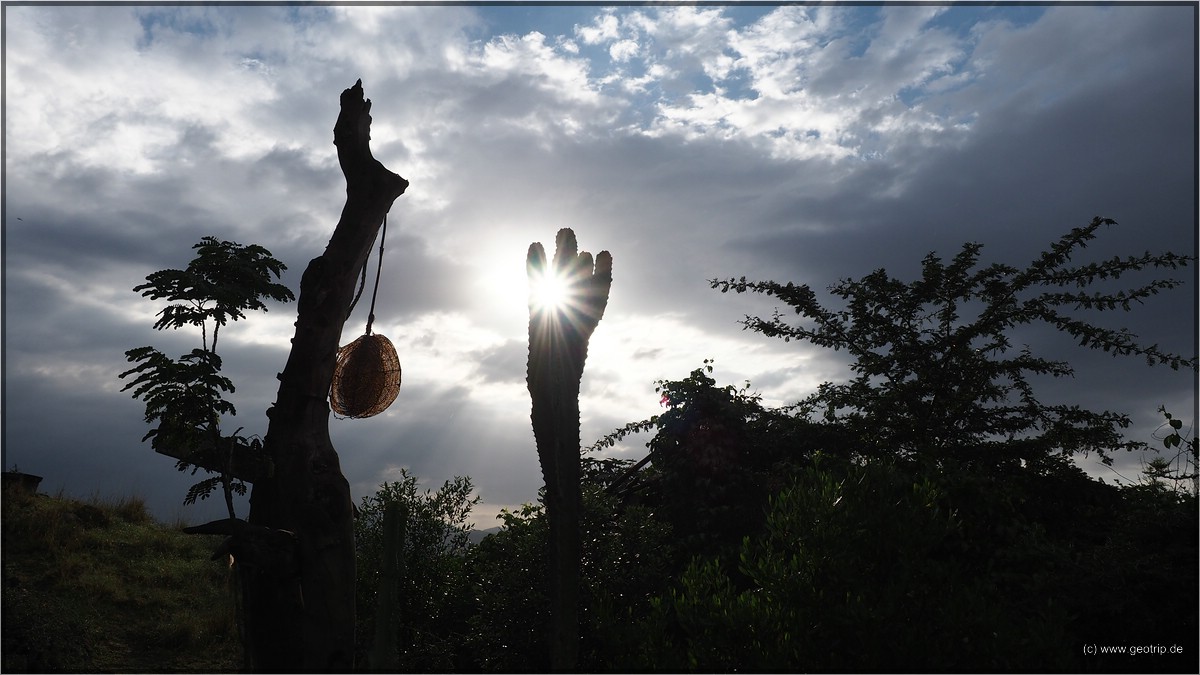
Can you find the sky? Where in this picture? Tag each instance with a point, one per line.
(788, 143)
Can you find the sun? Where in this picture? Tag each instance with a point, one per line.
(549, 291)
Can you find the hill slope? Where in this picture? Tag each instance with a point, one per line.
(104, 588)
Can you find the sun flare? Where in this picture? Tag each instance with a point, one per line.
(550, 291)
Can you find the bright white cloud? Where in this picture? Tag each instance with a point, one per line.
(788, 82)
(623, 50)
(531, 57)
(603, 29)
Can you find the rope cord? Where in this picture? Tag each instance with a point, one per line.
(378, 271)
(362, 281)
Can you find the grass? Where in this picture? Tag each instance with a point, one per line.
(100, 586)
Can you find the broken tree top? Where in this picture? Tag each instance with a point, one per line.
(352, 136)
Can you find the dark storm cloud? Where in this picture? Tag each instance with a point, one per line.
(1025, 176)
(438, 433)
(86, 441)
(412, 280)
(290, 167)
(93, 217)
(505, 362)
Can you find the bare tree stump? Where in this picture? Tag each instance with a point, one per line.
(304, 621)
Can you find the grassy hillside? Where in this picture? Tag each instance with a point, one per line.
(102, 587)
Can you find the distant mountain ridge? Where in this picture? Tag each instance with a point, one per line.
(476, 536)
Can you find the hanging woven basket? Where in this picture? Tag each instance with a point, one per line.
(366, 378)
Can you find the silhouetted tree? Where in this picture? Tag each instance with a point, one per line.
(184, 396)
(432, 597)
(716, 455)
(299, 586)
(936, 376)
(627, 558)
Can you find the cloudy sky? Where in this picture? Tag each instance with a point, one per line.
(790, 143)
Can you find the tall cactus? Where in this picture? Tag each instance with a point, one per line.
(558, 343)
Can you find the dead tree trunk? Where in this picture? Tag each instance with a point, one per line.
(300, 616)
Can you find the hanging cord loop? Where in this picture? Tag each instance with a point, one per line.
(378, 271)
(362, 281)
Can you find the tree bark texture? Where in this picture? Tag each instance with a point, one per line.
(300, 617)
(558, 343)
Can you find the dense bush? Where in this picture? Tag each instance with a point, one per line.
(433, 601)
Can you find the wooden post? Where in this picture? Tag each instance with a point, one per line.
(385, 650)
(301, 619)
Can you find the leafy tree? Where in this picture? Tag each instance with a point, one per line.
(1182, 467)
(936, 374)
(860, 569)
(1138, 585)
(507, 574)
(627, 558)
(433, 597)
(220, 284)
(940, 394)
(716, 456)
(185, 396)
(629, 555)
(887, 565)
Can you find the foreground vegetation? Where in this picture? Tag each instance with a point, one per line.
(809, 562)
(101, 587)
(925, 515)
(850, 568)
